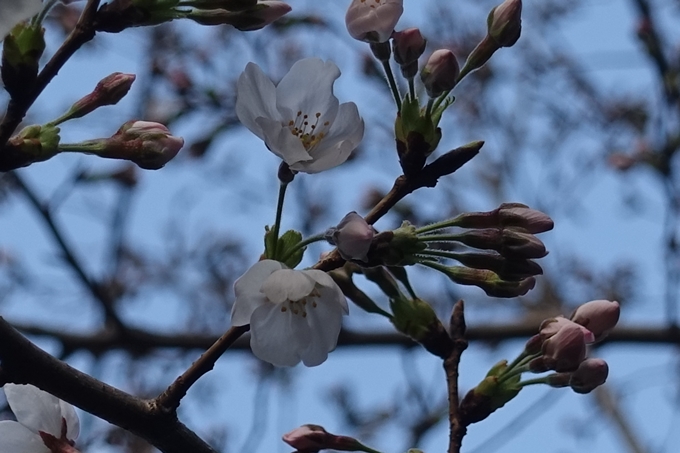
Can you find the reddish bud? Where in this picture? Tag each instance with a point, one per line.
(505, 23)
(598, 316)
(440, 73)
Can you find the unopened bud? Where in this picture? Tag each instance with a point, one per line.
(489, 281)
(21, 54)
(373, 21)
(565, 350)
(505, 268)
(36, 143)
(505, 23)
(353, 237)
(509, 243)
(312, 438)
(408, 45)
(508, 215)
(590, 374)
(108, 91)
(261, 15)
(440, 73)
(489, 395)
(417, 319)
(598, 316)
(551, 326)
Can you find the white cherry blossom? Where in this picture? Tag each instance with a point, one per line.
(14, 11)
(293, 315)
(300, 120)
(45, 424)
(373, 20)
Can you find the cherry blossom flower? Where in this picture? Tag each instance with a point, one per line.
(293, 315)
(373, 20)
(44, 423)
(14, 11)
(300, 120)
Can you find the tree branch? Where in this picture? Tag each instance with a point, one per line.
(457, 429)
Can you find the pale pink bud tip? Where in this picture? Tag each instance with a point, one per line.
(353, 237)
(408, 46)
(312, 438)
(440, 73)
(154, 144)
(505, 23)
(373, 21)
(598, 316)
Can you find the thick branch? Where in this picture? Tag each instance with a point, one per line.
(24, 363)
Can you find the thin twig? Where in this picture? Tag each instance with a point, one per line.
(172, 396)
(97, 291)
(457, 429)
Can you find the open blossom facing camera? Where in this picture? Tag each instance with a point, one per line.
(14, 11)
(300, 120)
(373, 20)
(293, 315)
(44, 423)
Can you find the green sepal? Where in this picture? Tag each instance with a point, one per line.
(21, 54)
(288, 241)
(269, 243)
(413, 317)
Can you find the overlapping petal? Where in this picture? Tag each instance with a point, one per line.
(14, 11)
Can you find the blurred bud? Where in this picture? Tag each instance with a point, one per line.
(312, 438)
(353, 237)
(565, 350)
(408, 45)
(440, 73)
(373, 21)
(21, 54)
(598, 316)
(507, 215)
(508, 242)
(489, 281)
(37, 143)
(504, 268)
(117, 15)
(590, 374)
(261, 15)
(108, 91)
(505, 23)
(489, 395)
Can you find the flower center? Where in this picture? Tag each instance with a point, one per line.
(310, 134)
(373, 3)
(300, 307)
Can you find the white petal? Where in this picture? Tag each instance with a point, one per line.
(287, 284)
(329, 287)
(72, 420)
(16, 438)
(278, 337)
(247, 290)
(308, 87)
(325, 322)
(35, 409)
(344, 136)
(282, 142)
(14, 11)
(255, 98)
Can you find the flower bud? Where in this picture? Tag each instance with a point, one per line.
(598, 316)
(108, 91)
(507, 215)
(551, 326)
(417, 319)
(373, 21)
(590, 374)
(489, 281)
(565, 350)
(21, 54)
(505, 268)
(440, 73)
(36, 143)
(408, 45)
(353, 237)
(312, 438)
(261, 15)
(508, 242)
(558, 380)
(505, 23)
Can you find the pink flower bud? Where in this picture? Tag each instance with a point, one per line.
(255, 18)
(551, 326)
(373, 21)
(590, 374)
(268, 12)
(312, 438)
(108, 91)
(149, 145)
(408, 46)
(440, 73)
(598, 316)
(565, 350)
(505, 23)
(353, 237)
(522, 216)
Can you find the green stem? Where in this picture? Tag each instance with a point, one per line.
(435, 266)
(509, 374)
(393, 83)
(363, 447)
(438, 226)
(428, 109)
(516, 362)
(541, 380)
(89, 147)
(439, 237)
(279, 211)
(441, 253)
(302, 244)
(412, 88)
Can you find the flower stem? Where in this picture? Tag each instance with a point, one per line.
(412, 88)
(393, 83)
(279, 211)
(540, 380)
(440, 253)
(302, 244)
(439, 237)
(437, 226)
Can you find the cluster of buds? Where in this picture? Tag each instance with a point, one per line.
(561, 347)
(507, 233)
(245, 15)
